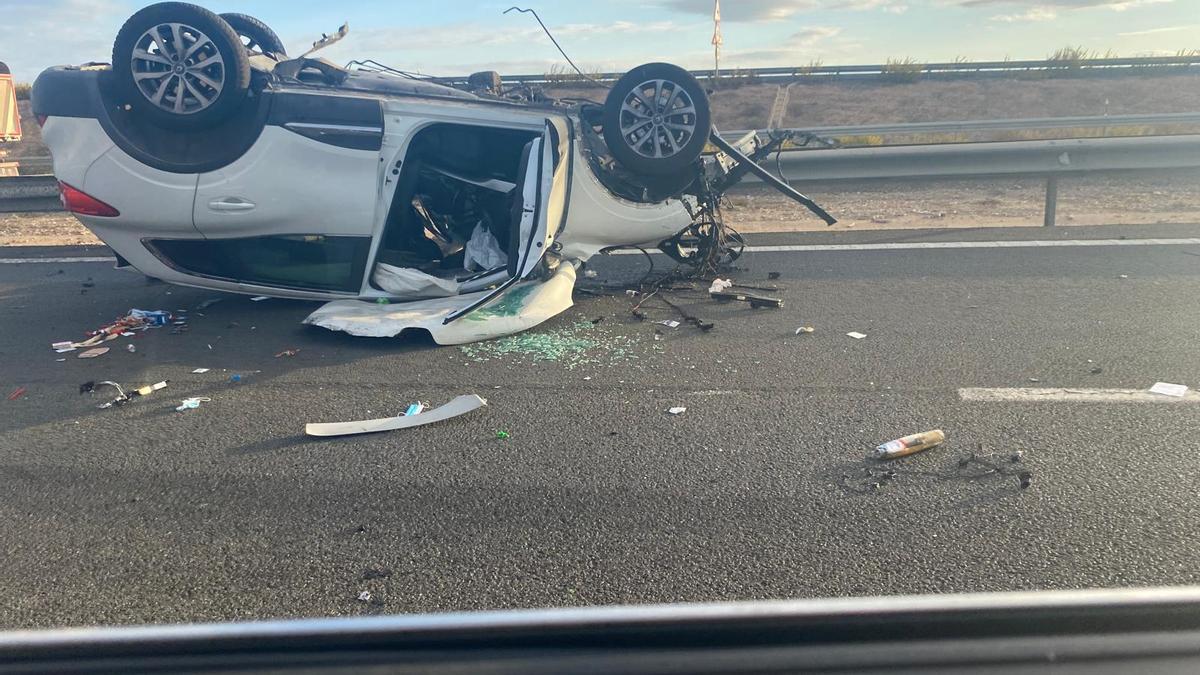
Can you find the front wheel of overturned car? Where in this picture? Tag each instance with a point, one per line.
(181, 66)
(656, 119)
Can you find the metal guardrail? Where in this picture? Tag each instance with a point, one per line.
(1118, 66)
(1025, 124)
(1050, 158)
(29, 194)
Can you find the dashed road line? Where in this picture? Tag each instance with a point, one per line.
(1070, 395)
(81, 259)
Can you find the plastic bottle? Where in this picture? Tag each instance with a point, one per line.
(910, 444)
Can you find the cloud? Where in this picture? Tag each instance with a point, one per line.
(812, 35)
(453, 37)
(1032, 14)
(37, 34)
(779, 10)
(1164, 29)
(1115, 5)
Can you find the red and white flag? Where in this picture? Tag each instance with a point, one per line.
(716, 40)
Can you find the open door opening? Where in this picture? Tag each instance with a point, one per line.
(454, 223)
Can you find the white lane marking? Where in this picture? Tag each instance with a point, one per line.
(799, 248)
(84, 259)
(1059, 395)
(1032, 243)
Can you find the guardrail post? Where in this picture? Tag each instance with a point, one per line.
(1051, 201)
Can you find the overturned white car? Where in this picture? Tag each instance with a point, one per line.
(204, 156)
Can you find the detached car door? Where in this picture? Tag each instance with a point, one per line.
(298, 209)
(540, 207)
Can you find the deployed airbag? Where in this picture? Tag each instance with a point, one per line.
(405, 282)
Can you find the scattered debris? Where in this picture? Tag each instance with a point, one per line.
(502, 435)
(720, 285)
(1168, 389)
(130, 348)
(87, 387)
(974, 467)
(579, 344)
(372, 573)
(199, 371)
(1122, 276)
(288, 353)
(364, 596)
(1034, 379)
(856, 335)
(191, 403)
(135, 320)
(122, 395)
(236, 378)
(669, 323)
(16, 393)
(677, 410)
(590, 274)
(93, 353)
(1096, 371)
(773, 275)
(755, 301)
(259, 298)
(658, 335)
(458, 406)
(910, 444)
(414, 409)
(804, 330)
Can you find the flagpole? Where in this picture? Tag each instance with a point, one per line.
(716, 42)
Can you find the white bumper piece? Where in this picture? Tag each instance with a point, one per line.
(521, 307)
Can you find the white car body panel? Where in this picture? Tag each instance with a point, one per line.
(77, 143)
(520, 307)
(289, 184)
(598, 219)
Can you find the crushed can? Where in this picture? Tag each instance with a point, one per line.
(910, 444)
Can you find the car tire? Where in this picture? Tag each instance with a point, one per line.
(256, 36)
(642, 133)
(194, 84)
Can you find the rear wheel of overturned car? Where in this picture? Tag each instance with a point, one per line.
(180, 65)
(257, 37)
(656, 119)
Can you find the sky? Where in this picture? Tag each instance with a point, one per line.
(455, 37)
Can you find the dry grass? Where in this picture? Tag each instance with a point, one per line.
(817, 102)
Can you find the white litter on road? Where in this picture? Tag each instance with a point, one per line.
(458, 406)
(1066, 395)
(856, 335)
(198, 371)
(676, 410)
(1168, 389)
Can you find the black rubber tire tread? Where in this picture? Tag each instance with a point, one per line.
(624, 154)
(237, 63)
(248, 26)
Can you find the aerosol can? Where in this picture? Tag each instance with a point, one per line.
(910, 444)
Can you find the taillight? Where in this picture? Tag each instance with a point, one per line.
(79, 202)
(41, 120)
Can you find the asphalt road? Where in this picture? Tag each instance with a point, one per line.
(141, 514)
